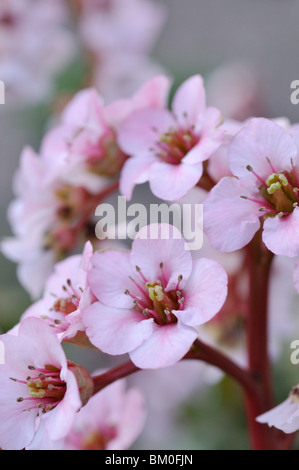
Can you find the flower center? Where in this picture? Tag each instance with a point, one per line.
(106, 158)
(279, 192)
(7, 19)
(155, 302)
(174, 145)
(46, 389)
(63, 306)
(98, 440)
(71, 202)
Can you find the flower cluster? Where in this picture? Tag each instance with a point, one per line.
(156, 301)
(58, 190)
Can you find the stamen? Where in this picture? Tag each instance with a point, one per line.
(142, 276)
(180, 278)
(271, 166)
(253, 200)
(163, 274)
(138, 286)
(249, 168)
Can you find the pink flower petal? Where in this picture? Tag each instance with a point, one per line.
(172, 182)
(166, 346)
(190, 101)
(153, 94)
(281, 235)
(259, 139)
(161, 243)
(109, 278)
(139, 133)
(230, 222)
(84, 109)
(204, 293)
(116, 331)
(135, 171)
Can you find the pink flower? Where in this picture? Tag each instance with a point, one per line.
(23, 59)
(40, 392)
(83, 149)
(264, 160)
(58, 190)
(152, 299)
(44, 218)
(284, 416)
(218, 164)
(112, 420)
(31, 215)
(65, 297)
(168, 148)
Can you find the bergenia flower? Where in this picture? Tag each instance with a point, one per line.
(111, 420)
(65, 297)
(30, 215)
(45, 219)
(152, 299)
(168, 148)
(264, 189)
(40, 391)
(284, 416)
(23, 59)
(84, 146)
(119, 45)
(58, 190)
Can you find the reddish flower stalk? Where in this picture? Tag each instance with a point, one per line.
(199, 351)
(107, 378)
(259, 261)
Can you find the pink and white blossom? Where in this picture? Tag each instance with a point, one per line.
(43, 217)
(41, 392)
(111, 420)
(58, 190)
(83, 148)
(264, 189)
(168, 148)
(65, 297)
(152, 299)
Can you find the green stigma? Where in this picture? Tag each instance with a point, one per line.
(276, 181)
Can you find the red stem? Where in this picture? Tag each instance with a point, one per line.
(208, 354)
(101, 381)
(199, 351)
(259, 261)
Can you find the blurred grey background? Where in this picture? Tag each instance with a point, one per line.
(202, 35)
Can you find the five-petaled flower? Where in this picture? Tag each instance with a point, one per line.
(152, 299)
(265, 188)
(40, 391)
(168, 148)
